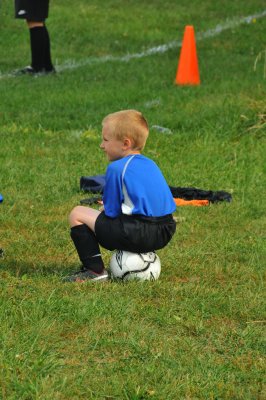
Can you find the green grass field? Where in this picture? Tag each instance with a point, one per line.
(199, 331)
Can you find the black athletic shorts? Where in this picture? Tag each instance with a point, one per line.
(135, 233)
(32, 10)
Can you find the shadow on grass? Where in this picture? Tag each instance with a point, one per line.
(20, 269)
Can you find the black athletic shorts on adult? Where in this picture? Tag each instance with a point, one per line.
(134, 233)
(32, 10)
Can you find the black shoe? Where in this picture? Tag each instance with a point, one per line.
(26, 71)
(48, 71)
(29, 70)
(86, 275)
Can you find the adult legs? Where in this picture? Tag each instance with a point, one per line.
(40, 47)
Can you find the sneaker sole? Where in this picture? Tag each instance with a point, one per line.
(80, 280)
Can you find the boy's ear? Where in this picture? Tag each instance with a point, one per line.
(127, 143)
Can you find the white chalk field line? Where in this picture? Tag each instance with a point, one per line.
(163, 47)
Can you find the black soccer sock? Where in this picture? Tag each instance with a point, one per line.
(48, 66)
(87, 247)
(38, 43)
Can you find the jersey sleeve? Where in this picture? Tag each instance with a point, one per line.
(113, 195)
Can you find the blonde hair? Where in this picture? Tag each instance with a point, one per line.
(128, 124)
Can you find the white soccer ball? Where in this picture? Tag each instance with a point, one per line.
(128, 266)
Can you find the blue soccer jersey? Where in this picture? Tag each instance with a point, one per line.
(135, 185)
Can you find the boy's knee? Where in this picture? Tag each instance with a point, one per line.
(34, 24)
(78, 215)
(83, 215)
(73, 215)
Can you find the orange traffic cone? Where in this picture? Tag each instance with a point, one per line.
(188, 71)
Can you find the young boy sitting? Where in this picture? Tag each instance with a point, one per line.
(138, 204)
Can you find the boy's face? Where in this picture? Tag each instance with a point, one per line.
(113, 148)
